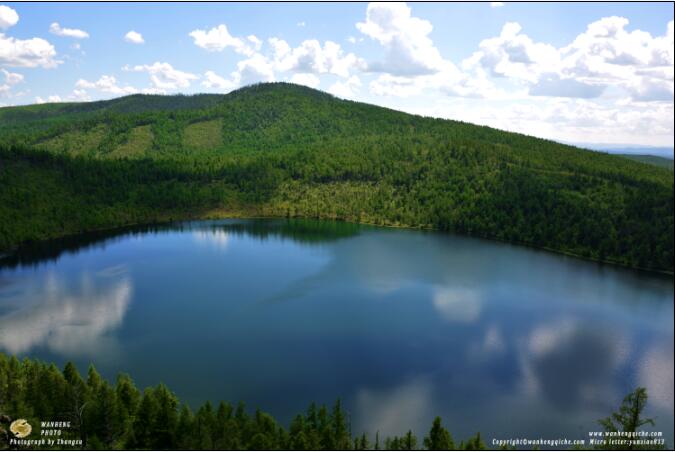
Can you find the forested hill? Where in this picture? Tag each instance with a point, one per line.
(286, 150)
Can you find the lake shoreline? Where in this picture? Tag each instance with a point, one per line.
(261, 214)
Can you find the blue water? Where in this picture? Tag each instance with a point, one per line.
(402, 325)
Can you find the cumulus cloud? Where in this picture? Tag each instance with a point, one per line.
(310, 80)
(163, 76)
(11, 78)
(8, 17)
(214, 81)
(312, 57)
(412, 64)
(134, 37)
(604, 55)
(305, 63)
(496, 4)
(219, 38)
(253, 70)
(632, 60)
(346, 89)
(513, 55)
(552, 85)
(50, 99)
(79, 95)
(56, 29)
(255, 42)
(34, 52)
(408, 48)
(106, 84)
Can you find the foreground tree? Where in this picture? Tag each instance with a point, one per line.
(628, 420)
(439, 438)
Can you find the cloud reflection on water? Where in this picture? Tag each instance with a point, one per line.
(571, 364)
(217, 237)
(67, 318)
(656, 374)
(395, 411)
(457, 304)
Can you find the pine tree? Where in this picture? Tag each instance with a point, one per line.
(439, 438)
(629, 417)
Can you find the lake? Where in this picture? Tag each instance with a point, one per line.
(402, 325)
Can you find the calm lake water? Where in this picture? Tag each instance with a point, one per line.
(402, 325)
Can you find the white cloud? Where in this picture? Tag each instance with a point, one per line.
(301, 24)
(163, 76)
(257, 43)
(605, 55)
(408, 49)
(514, 55)
(552, 85)
(311, 57)
(8, 17)
(34, 52)
(253, 70)
(412, 63)
(213, 80)
(345, 89)
(79, 95)
(56, 29)
(106, 84)
(49, 100)
(12, 78)
(496, 4)
(134, 37)
(219, 38)
(310, 80)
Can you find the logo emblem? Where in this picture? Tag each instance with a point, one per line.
(21, 428)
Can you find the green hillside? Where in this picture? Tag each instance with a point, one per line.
(286, 150)
(651, 160)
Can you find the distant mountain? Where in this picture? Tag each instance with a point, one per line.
(664, 152)
(651, 160)
(286, 150)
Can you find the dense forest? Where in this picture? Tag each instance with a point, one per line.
(120, 416)
(285, 150)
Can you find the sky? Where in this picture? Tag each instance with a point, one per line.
(575, 72)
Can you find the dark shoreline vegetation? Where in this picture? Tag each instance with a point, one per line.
(281, 150)
(120, 416)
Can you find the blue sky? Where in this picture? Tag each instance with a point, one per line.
(581, 72)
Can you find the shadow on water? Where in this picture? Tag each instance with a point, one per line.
(299, 230)
(35, 253)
